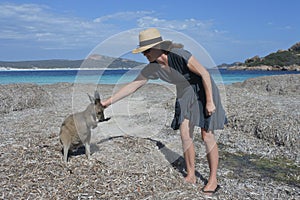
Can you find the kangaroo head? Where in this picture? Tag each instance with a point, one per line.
(99, 109)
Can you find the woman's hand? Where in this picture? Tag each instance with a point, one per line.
(106, 103)
(210, 108)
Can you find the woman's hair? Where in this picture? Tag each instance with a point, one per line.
(166, 46)
(175, 45)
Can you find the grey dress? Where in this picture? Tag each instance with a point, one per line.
(190, 99)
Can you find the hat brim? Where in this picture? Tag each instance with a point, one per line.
(144, 48)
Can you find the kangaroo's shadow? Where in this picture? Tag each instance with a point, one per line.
(175, 159)
(81, 150)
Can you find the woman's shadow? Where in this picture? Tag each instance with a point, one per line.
(176, 160)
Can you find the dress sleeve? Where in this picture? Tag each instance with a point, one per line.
(150, 71)
(186, 55)
(181, 54)
(178, 60)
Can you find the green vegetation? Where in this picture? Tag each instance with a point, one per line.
(280, 58)
(242, 164)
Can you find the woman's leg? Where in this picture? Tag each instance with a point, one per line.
(186, 133)
(212, 157)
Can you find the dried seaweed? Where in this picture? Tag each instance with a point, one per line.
(15, 97)
(124, 166)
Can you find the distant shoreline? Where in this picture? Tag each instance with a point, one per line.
(231, 68)
(62, 69)
(265, 68)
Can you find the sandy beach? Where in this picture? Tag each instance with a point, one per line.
(136, 155)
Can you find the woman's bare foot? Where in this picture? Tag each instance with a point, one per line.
(190, 179)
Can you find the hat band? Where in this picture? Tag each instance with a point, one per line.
(152, 41)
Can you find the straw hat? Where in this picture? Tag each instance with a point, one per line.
(148, 39)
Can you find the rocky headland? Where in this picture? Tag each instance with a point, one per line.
(285, 60)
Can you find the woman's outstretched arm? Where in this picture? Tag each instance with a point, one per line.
(126, 90)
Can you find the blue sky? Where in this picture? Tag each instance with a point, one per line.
(229, 30)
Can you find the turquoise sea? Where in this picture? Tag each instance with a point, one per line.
(221, 76)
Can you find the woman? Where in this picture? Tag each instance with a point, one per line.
(197, 103)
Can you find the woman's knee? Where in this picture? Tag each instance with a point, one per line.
(185, 135)
(186, 130)
(207, 136)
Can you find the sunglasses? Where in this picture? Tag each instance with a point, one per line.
(146, 51)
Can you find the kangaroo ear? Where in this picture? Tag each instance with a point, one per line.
(92, 99)
(97, 95)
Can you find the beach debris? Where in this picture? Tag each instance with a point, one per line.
(15, 97)
(133, 167)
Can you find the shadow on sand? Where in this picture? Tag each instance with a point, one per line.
(81, 150)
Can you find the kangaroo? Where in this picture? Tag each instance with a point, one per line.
(75, 131)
